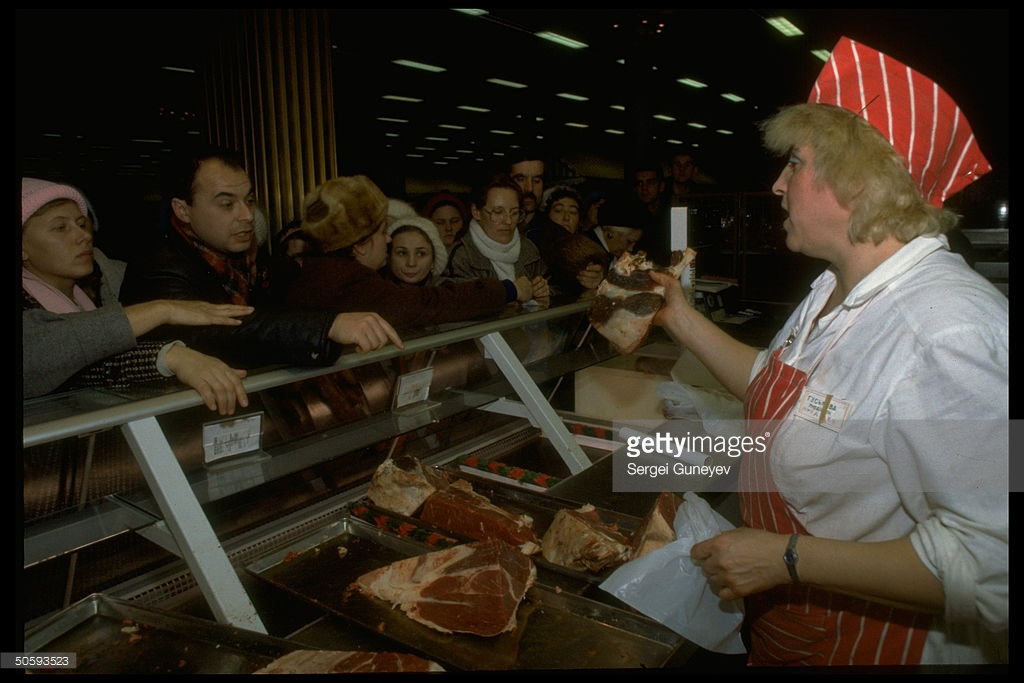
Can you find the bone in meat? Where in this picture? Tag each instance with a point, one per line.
(473, 588)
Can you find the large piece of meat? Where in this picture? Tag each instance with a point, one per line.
(343, 662)
(461, 510)
(473, 588)
(579, 539)
(402, 484)
(658, 526)
(628, 298)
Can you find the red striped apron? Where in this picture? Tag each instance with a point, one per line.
(797, 625)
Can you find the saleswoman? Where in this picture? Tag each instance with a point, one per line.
(876, 524)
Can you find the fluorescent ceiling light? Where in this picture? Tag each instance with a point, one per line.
(426, 149)
(401, 98)
(392, 135)
(732, 97)
(155, 142)
(614, 131)
(694, 124)
(560, 39)
(784, 26)
(471, 12)
(507, 84)
(435, 139)
(823, 55)
(179, 69)
(497, 131)
(619, 107)
(673, 141)
(692, 82)
(723, 131)
(664, 117)
(391, 120)
(418, 65)
(452, 126)
(469, 107)
(466, 151)
(573, 124)
(415, 156)
(573, 96)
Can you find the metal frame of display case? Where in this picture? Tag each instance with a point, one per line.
(183, 528)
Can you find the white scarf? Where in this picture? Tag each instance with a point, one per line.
(503, 257)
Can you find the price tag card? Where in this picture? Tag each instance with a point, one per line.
(231, 437)
(412, 388)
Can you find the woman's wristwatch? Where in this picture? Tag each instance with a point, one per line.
(790, 557)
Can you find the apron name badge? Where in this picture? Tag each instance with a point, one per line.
(822, 409)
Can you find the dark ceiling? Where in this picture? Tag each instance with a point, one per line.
(92, 77)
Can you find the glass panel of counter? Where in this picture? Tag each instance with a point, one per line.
(73, 456)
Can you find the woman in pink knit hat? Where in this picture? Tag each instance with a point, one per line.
(75, 333)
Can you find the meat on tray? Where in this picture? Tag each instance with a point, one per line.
(461, 510)
(579, 539)
(402, 484)
(341, 662)
(627, 299)
(658, 526)
(472, 588)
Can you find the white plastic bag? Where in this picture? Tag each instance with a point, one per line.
(669, 587)
(720, 413)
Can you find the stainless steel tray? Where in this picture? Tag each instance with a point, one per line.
(541, 507)
(101, 630)
(554, 630)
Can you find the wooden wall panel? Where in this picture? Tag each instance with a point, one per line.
(270, 95)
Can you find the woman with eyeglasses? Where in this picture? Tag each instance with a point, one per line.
(492, 246)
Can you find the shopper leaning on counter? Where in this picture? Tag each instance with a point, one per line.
(493, 246)
(347, 219)
(75, 332)
(210, 253)
(876, 523)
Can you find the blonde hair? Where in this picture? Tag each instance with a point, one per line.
(866, 174)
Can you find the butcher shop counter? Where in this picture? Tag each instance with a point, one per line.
(142, 515)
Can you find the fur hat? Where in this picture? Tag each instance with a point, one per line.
(35, 193)
(427, 227)
(343, 211)
(918, 118)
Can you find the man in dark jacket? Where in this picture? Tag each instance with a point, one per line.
(210, 253)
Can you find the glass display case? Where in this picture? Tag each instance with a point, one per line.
(155, 464)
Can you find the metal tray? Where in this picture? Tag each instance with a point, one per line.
(554, 630)
(542, 508)
(164, 642)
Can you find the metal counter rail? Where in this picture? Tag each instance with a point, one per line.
(50, 418)
(190, 532)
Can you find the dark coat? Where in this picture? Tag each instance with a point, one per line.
(341, 283)
(273, 334)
